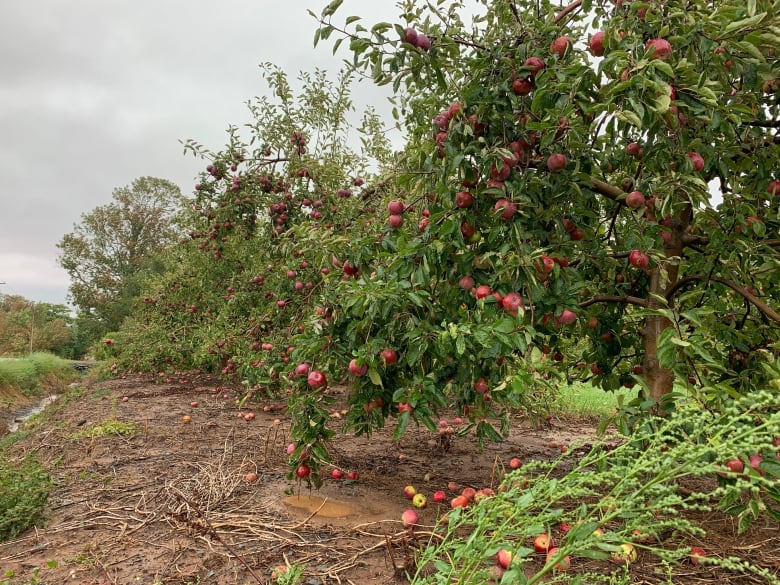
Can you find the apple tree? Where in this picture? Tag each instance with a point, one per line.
(590, 189)
(270, 216)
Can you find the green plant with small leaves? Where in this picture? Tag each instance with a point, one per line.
(24, 491)
(616, 501)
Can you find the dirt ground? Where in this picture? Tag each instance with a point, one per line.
(170, 502)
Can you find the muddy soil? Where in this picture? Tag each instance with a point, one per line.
(169, 501)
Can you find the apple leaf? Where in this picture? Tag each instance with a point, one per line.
(375, 377)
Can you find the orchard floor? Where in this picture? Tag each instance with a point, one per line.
(170, 502)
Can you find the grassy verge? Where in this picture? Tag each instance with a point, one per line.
(584, 400)
(26, 374)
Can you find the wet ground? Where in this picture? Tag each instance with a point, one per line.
(145, 495)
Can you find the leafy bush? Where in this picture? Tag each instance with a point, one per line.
(24, 491)
(637, 493)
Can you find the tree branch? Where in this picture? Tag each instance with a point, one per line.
(568, 9)
(768, 311)
(604, 188)
(614, 299)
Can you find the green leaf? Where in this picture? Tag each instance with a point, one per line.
(374, 376)
(331, 8)
(403, 423)
(629, 117)
(663, 67)
(746, 23)
(351, 19)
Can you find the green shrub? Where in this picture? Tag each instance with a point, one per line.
(630, 492)
(24, 491)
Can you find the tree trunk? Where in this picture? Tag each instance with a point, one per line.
(660, 381)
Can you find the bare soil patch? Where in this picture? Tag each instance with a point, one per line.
(170, 503)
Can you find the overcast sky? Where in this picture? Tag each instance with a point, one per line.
(95, 93)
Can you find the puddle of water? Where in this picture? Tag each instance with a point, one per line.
(324, 507)
(25, 413)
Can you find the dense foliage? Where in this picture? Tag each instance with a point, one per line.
(26, 327)
(112, 246)
(585, 191)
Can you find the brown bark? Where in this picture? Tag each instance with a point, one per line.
(663, 278)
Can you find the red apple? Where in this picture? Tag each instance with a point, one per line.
(512, 303)
(633, 149)
(562, 565)
(515, 463)
(459, 502)
(560, 45)
(556, 162)
(522, 86)
(576, 234)
(464, 200)
(395, 221)
(543, 543)
(567, 317)
(395, 207)
(337, 474)
(635, 200)
(388, 356)
(410, 36)
(697, 160)
(423, 42)
(503, 558)
(755, 463)
(467, 229)
(352, 475)
(357, 370)
(439, 496)
(535, 65)
(466, 282)
(638, 259)
(773, 188)
(317, 379)
(596, 369)
(409, 518)
(303, 471)
(659, 49)
(468, 493)
(697, 554)
(302, 369)
(481, 386)
(405, 407)
(506, 208)
(409, 492)
(596, 44)
(735, 465)
(483, 291)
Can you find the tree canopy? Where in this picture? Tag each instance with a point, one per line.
(114, 243)
(586, 191)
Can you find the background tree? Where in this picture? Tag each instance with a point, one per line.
(27, 327)
(112, 245)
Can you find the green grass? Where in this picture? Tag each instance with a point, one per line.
(25, 374)
(584, 400)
